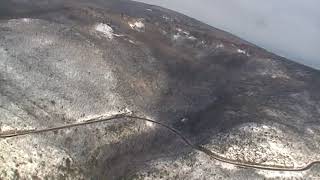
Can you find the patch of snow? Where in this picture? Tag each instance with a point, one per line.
(283, 76)
(166, 18)
(138, 25)
(132, 42)
(26, 20)
(105, 29)
(184, 120)
(281, 175)
(149, 10)
(176, 36)
(150, 124)
(241, 51)
(186, 33)
(164, 32)
(274, 71)
(226, 165)
(183, 33)
(4, 128)
(277, 147)
(192, 38)
(118, 35)
(310, 130)
(219, 46)
(23, 21)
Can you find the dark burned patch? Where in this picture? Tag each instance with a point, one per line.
(120, 159)
(232, 62)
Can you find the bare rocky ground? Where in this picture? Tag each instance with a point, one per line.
(64, 62)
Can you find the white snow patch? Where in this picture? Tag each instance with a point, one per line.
(176, 36)
(149, 10)
(278, 147)
(192, 38)
(164, 32)
(105, 29)
(282, 175)
(138, 25)
(310, 130)
(166, 18)
(241, 51)
(226, 165)
(184, 34)
(275, 76)
(184, 120)
(118, 35)
(219, 46)
(178, 29)
(132, 42)
(150, 124)
(183, 31)
(4, 128)
(273, 70)
(26, 20)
